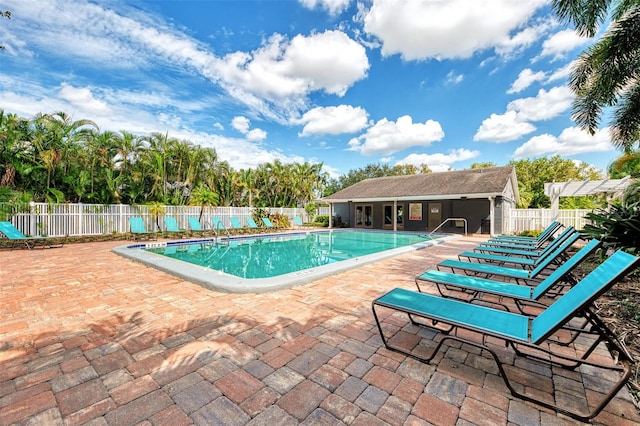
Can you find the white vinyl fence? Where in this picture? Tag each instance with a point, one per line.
(96, 219)
(518, 220)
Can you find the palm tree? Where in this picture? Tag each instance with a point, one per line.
(606, 74)
(203, 197)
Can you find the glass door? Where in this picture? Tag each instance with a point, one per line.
(390, 217)
(364, 216)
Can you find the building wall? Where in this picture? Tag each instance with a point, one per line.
(475, 211)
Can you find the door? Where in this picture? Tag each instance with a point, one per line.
(364, 216)
(390, 217)
(435, 215)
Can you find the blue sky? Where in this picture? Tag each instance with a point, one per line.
(342, 82)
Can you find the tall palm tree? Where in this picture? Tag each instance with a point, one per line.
(606, 74)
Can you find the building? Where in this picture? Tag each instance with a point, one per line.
(447, 201)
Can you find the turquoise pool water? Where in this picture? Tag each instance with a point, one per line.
(264, 257)
(271, 262)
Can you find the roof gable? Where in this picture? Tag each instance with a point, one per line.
(459, 183)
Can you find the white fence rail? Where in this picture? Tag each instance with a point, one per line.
(96, 219)
(518, 220)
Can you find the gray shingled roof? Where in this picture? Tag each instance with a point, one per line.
(490, 181)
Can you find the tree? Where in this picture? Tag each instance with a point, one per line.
(533, 174)
(203, 197)
(606, 73)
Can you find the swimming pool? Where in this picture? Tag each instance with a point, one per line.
(273, 261)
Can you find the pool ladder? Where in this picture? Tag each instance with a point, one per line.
(220, 226)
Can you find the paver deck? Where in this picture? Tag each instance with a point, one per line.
(88, 337)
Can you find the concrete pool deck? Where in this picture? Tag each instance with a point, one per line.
(89, 337)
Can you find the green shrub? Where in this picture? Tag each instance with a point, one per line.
(618, 228)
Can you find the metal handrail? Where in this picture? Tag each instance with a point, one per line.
(447, 220)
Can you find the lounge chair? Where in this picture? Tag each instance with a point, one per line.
(298, 222)
(237, 225)
(195, 228)
(252, 223)
(508, 257)
(548, 232)
(487, 269)
(171, 227)
(138, 230)
(518, 250)
(474, 288)
(527, 336)
(17, 238)
(267, 222)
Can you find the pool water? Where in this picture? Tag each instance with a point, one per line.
(258, 264)
(270, 256)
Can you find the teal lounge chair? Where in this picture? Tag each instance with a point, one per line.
(252, 223)
(18, 239)
(216, 222)
(507, 257)
(514, 244)
(138, 231)
(527, 252)
(298, 222)
(267, 222)
(195, 228)
(473, 288)
(527, 336)
(236, 225)
(487, 269)
(549, 231)
(171, 227)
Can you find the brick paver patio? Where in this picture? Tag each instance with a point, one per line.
(88, 337)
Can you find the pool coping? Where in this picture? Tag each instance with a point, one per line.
(227, 283)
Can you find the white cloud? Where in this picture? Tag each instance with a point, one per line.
(453, 78)
(503, 128)
(545, 105)
(561, 43)
(515, 122)
(333, 120)
(387, 137)
(274, 79)
(525, 79)
(83, 98)
(448, 29)
(242, 124)
(439, 162)
(333, 7)
(561, 73)
(571, 141)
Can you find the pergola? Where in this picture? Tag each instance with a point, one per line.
(614, 188)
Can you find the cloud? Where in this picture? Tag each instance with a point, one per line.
(503, 128)
(274, 79)
(333, 120)
(333, 7)
(525, 79)
(448, 30)
(453, 78)
(242, 124)
(515, 122)
(82, 97)
(571, 141)
(560, 44)
(561, 73)
(545, 105)
(386, 137)
(439, 162)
